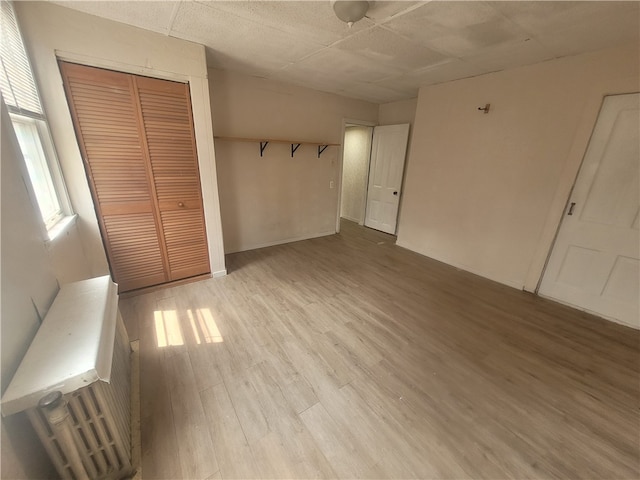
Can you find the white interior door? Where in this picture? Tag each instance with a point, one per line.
(595, 262)
(388, 151)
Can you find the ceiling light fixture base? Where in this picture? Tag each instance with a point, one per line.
(350, 11)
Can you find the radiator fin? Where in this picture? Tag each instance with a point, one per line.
(101, 414)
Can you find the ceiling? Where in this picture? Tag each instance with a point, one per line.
(398, 47)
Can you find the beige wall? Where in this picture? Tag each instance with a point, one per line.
(355, 170)
(403, 111)
(28, 287)
(51, 31)
(275, 199)
(485, 192)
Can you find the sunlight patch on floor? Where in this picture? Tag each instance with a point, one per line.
(205, 329)
(168, 331)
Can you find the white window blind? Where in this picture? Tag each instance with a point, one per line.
(19, 92)
(16, 79)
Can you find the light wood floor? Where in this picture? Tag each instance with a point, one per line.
(348, 357)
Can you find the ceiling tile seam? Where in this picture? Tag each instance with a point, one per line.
(252, 18)
(550, 49)
(398, 14)
(252, 21)
(360, 32)
(174, 14)
(326, 47)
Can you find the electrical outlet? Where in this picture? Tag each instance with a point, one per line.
(331, 184)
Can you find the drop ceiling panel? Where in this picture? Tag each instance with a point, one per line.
(387, 48)
(151, 15)
(510, 55)
(240, 40)
(543, 17)
(322, 80)
(438, 19)
(568, 28)
(345, 66)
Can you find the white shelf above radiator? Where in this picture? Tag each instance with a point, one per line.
(73, 347)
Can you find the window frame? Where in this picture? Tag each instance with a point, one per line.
(40, 138)
(37, 160)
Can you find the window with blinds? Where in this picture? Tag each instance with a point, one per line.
(16, 80)
(20, 94)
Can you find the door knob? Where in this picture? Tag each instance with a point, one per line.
(395, 193)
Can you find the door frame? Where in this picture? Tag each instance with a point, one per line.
(567, 199)
(564, 218)
(593, 99)
(360, 123)
(402, 178)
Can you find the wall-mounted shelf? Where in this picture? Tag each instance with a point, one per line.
(295, 144)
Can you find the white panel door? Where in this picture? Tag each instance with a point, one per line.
(594, 264)
(388, 150)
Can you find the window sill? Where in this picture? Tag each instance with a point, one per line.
(61, 228)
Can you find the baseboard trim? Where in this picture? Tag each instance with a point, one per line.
(352, 219)
(161, 286)
(608, 318)
(245, 248)
(508, 283)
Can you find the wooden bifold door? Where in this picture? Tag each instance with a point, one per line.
(138, 145)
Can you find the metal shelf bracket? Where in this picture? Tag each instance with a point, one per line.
(321, 148)
(293, 149)
(263, 145)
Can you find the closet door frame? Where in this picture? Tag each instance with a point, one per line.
(199, 134)
(199, 91)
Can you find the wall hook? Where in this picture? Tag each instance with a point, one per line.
(485, 109)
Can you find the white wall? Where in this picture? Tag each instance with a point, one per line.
(355, 171)
(486, 192)
(66, 253)
(275, 199)
(51, 31)
(28, 287)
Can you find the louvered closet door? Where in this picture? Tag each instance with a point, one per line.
(137, 140)
(106, 118)
(166, 112)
